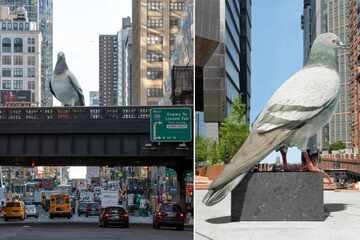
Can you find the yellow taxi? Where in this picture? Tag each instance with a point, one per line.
(14, 209)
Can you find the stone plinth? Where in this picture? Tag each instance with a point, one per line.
(279, 196)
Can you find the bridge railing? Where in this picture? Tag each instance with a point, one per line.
(77, 113)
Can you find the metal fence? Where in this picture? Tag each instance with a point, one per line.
(77, 113)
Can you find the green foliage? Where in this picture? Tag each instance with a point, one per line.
(232, 134)
(233, 131)
(339, 145)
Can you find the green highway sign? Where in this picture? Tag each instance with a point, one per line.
(171, 124)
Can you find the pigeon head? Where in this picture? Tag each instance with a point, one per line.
(324, 49)
(61, 65)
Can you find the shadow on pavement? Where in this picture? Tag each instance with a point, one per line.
(219, 220)
(333, 207)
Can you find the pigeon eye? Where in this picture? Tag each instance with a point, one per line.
(334, 41)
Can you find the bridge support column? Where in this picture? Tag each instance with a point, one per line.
(181, 187)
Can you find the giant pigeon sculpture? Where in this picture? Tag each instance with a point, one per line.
(64, 85)
(294, 113)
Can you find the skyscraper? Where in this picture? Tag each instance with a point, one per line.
(332, 16)
(108, 70)
(155, 26)
(41, 12)
(222, 36)
(20, 57)
(354, 38)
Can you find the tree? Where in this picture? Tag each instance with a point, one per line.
(339, 145)
(233, 131)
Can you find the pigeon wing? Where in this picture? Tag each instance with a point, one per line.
(52, 91)
(299, 99)
(73, 81)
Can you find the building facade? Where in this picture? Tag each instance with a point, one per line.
(155, 26)
(94, 98)
(222, 73)
(178, 88)
(108, 70)
(20, 59)
(354, 42)
(41, 12)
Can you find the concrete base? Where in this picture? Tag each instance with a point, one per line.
(279, 196)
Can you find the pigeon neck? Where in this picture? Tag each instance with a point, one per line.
(60, 68)
(323, 55)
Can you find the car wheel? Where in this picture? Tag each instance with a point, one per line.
(51, 216)
(180, 227)
(127, 225)
(157, 226)
(87, 215)
(6, 219)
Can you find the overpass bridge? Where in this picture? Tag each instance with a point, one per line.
(86, 136)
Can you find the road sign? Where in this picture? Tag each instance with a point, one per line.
(171, 124)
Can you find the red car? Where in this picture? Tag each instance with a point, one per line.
(113, 216)
(169, 214)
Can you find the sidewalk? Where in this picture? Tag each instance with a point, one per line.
(343, 221)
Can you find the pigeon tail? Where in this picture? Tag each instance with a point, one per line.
(213, 197)
(255, 148)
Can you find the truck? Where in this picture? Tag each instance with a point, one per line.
(109, 198)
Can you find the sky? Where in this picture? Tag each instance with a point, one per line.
(77, 25)
(277, 53)
(76, 28)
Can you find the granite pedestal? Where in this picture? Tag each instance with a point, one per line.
(279, 196)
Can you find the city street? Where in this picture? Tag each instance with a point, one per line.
(89, 231)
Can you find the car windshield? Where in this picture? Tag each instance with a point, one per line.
(115, 210)
(93, 205)
(82, 205)
(13, 204)
(30, 207)
(170, 208)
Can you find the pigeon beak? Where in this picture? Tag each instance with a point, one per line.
(340, 44)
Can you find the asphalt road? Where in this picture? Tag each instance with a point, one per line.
(89, 231)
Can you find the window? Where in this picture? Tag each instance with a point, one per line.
(6, 72)
(18, 45)
(155, 22)
(31, 41)
(31, 60)
(154, 92)
(154, 39)
(6, 84)
(174, 22)
(3, 26)
(18, 84)
(6, 60)
(154, 73)
(6, 45)
(18, 60)
(18, 72)
(31, 49)
(179, 6)
(15, 26)
(31, 72)
(154, 56)
(31, 85)
(154, 5)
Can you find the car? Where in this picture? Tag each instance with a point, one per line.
(113, 216)
(15, 209)
(92, 209)
(82, 208)
(169, 214)
(31, 211)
